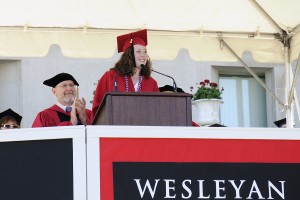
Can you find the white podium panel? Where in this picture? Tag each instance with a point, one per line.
(43, 163)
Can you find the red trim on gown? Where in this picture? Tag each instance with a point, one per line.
(49, 117)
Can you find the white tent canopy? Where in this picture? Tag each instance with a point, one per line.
(87, 28)
(188, 15)
(269, 29)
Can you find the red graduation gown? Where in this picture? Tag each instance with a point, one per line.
(49, 117)
(106, 84)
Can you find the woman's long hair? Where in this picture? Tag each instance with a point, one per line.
(126, 64)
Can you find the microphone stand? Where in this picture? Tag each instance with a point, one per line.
(174, 83)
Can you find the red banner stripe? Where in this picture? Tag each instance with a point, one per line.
(190, 150)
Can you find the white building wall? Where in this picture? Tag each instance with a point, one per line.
(28, 96)
(10, 86)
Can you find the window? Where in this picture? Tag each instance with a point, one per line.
(244, 102)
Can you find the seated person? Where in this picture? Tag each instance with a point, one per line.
(9, 119)
(68, 110)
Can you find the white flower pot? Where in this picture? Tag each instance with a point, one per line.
(207, 111)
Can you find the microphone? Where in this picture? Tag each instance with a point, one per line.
(115, 79)
(174, 83)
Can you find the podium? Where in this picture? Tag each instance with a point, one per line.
(145, 109)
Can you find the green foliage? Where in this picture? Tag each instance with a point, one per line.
(208, 90)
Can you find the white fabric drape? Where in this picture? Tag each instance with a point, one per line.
(161, 46)
(88, 28)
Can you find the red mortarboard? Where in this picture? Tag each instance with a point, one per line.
(138, 37)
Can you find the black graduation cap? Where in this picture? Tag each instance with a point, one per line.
(169, 88)
(280, 122)
(10, 112)
(52, 82)
(217, 125)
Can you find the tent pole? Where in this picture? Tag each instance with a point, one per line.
(287, 87)
(293, 93)
(268, 17)
(297, 104)
(285, 39)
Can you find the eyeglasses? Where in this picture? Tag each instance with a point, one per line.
(66, 85)
(8, 126)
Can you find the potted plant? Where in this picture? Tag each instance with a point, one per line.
(207, 101)
(207, 90)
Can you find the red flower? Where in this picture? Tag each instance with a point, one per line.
(207, 90)
(212, 84)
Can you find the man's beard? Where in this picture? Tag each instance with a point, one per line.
(69, 101)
